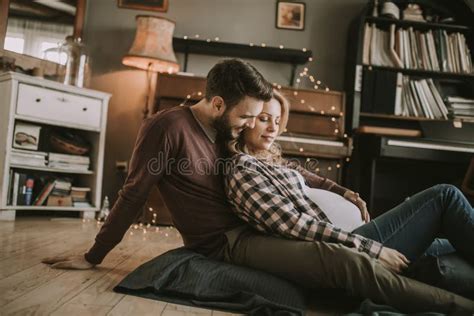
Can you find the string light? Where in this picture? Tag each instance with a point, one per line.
(302, 75)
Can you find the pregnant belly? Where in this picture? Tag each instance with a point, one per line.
(341, 212)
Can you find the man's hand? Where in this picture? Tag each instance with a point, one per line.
(76, 262)
(393, 260)
(355, 198)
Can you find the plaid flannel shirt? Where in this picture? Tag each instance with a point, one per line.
(271, 199)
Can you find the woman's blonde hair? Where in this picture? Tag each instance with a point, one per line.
(273, 154)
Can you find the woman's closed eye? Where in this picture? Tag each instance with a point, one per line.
(267, 119)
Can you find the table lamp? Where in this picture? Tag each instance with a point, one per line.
(152, 49)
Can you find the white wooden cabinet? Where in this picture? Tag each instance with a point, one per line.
(47, 103)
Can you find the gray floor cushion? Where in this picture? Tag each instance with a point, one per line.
(184, 277)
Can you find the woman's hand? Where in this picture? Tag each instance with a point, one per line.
(355, 198)
(393, 260)
(77, 262)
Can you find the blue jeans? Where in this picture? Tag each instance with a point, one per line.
(415, 226)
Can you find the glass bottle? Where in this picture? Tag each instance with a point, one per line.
(74, 57)
(104, 211)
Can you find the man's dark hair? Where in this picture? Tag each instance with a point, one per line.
(234, 79)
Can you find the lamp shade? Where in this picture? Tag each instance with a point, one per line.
(152, 48)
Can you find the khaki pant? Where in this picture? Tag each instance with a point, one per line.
(329, 265)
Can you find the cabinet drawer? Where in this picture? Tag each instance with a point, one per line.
(58, 106)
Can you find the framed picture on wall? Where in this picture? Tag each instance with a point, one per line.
(290, 15)
(148, 5)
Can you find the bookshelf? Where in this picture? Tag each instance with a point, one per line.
(396, 156)
(358, 88)
(53, 109)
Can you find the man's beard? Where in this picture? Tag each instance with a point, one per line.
(223, 128)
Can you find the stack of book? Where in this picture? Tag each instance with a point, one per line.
(434, 50)
(61, 193)
(28, 158)
(68, 162)
(55, 192)
(79, 196)
(461, 108)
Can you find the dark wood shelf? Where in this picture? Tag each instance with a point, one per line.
(425, 73)
(396, 117)
(275, 54)
(213, 48)
(418, 25)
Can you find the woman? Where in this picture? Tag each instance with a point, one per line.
(279, 198)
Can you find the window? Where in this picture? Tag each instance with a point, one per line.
(14, 44)
(50, 51)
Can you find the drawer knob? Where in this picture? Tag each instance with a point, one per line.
(84, 109)
(38, 100)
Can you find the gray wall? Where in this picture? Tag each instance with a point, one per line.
(109, 32)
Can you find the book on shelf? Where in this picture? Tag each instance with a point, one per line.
(68, 162)
(62, 187)
(387, 92)
(28, 158)
(64, 158)
(10, 186)
(68, 166)
(460, 108)
(37, 190)
(80, 204)
(80, 193)
(52, 160)
(382, 92)
(44, 193)
(432, 50)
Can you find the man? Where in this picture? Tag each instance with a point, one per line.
(177, 150)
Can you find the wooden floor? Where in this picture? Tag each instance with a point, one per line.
(28, 287)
